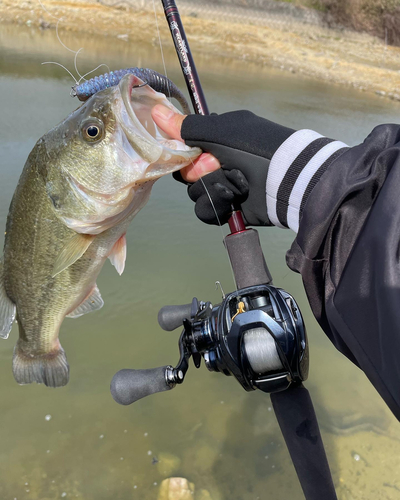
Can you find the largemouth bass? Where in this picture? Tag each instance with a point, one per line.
(81, 186)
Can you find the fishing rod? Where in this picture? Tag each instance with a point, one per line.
(185, 57)
(257, 333)
(192, 80)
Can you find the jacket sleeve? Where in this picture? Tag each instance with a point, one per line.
(347, 248)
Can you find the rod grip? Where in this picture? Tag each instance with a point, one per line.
(128, 386)
(247, 259)
(171, 317)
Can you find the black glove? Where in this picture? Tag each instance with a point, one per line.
(244, 144)
(225, 188)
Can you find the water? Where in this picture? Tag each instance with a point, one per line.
(75, 442)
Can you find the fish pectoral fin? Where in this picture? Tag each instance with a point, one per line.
(118, 254)
(7, 309)
(93, 302)
(72, 251)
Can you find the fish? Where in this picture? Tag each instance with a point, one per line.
(83, 183)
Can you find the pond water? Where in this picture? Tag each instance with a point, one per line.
(75, 442)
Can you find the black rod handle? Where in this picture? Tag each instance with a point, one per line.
(128, 386)
(298, 422)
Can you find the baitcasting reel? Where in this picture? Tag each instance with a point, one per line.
(256, 334)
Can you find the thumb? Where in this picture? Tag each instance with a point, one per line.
(169, 121)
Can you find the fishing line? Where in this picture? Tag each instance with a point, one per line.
(212, 204)
(66, 69)
(221, 229)
(58, 36)
(161, 48)
(76, 52)
(219, 224)
(76, 62)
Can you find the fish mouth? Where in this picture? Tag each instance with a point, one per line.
(163, 154)
(141, 140)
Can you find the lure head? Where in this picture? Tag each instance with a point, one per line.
(106, 153)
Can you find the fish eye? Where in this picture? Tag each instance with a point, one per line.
(93, 131)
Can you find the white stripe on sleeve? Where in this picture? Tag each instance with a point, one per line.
(303, 180)
(281, 162)
(293, 171)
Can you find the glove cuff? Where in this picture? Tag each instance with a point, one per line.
(294, 170)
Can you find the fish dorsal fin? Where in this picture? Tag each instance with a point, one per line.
(7, 309)
(93, 302)
(118, 254)
(72, 251)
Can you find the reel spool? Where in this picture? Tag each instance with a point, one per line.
(261, 351)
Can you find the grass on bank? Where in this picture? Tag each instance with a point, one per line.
(377, 17)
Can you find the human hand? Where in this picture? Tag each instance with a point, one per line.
(171, 123)
(244, 144)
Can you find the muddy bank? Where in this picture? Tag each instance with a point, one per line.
(341, 57)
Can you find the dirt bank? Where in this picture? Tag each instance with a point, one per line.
(341, 57)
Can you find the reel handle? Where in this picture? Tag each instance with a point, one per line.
(128, 386)
(171, 317)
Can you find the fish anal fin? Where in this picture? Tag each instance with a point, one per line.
(7, 309)
(118, 254)
(93, 302)
(73, 250)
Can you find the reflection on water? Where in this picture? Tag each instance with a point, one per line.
(221, 438)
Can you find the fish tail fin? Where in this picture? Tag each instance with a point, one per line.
(50, 369)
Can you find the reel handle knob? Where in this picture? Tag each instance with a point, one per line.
(128, 386)
(171, 317)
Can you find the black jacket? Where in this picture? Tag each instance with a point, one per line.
(348, 252)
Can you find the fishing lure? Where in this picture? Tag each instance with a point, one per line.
(155, 80)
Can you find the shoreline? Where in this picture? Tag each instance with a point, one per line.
(325, 54)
